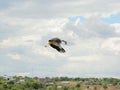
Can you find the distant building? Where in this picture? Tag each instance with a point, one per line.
(9, 78)
(41, 79)
(21, 81)
(59, 87)
(65, 82)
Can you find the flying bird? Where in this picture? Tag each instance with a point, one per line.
(56, 44)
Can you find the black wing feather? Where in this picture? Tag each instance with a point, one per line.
(57, 48)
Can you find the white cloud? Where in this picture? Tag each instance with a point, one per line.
(93, 27)
(112, 44)
(39, 9)
(8, 43)
(19, 41)
(25, 30)
(44, 52)
(15, 56)
(83, 50)
(117, 27)
(84, 58)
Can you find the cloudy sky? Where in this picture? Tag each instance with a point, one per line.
(91, 27)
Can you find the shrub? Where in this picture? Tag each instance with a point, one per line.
(78, 85)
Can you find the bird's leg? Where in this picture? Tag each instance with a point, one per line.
(64, 41)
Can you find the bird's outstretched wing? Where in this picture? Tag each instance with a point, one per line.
(55, 43)
(58, 48)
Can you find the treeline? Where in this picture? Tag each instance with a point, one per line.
(56, 83)
(92, 81)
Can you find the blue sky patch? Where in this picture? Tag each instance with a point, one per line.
(112, 19)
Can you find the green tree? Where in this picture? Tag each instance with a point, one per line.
(88, 87)
(5, 86)
(78, 85)
(50, 88)
(65, 88)
(10, 82)
(105, 86)
(78, 88)
(35, 85)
